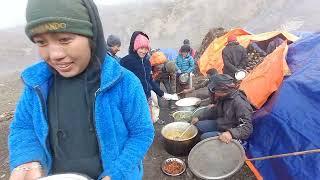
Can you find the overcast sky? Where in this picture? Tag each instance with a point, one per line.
(12, 12)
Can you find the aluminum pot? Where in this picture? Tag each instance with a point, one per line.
(181, 146)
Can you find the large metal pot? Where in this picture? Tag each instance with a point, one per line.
(179, 146)
(188, 104)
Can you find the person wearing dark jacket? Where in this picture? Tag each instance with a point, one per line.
(113, 46)
(136, 61)
(230, 117)
(234, 57)
(79, 111)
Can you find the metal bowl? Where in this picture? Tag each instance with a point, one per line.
(240, 75)
(176, 160)
(188, 104)
(182, 115)
(184, 78)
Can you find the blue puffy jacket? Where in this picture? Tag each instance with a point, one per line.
(122, 120)
(186, 65)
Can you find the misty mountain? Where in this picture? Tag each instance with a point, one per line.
(168, 22)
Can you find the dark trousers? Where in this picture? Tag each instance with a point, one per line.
(207, 128)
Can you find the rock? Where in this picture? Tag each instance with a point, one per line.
(207, 40)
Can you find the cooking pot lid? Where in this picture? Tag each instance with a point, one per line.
(213, 159)
(189, 101)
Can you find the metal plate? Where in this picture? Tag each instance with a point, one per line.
(189, 101)
(68, 176)
(213, 159)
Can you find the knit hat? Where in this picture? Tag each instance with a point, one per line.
(141, 42)
(186, 41)
(221, 82)
(232, 38)
(185, 48)
(113, 40)
(57, 16)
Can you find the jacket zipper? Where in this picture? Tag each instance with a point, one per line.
(45, 112)
(94, 118)
(145, 75)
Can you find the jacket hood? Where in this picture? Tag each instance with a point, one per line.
(41, 73)
(133, 38)
(100, 47)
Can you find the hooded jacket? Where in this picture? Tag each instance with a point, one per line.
(70, 101)
(141, 68)
(68, 123)
(109, 51)
(234, 58)
(232, 113)
(121, 118)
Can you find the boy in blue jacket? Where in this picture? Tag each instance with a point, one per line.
(80, 111)
(185, 63)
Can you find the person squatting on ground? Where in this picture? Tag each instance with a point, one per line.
(164, 71)
(234, 57)
(79, 111)
(113, 46)
(138, 63)
(230, 118)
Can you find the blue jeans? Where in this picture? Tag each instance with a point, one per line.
(207, 128)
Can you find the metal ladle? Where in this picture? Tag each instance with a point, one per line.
(184, 132)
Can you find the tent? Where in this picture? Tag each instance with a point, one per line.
(267, 76)
(290, 120)
(170, 53)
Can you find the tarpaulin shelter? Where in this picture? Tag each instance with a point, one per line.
(170, 53)
(266, 77)
(290, 120)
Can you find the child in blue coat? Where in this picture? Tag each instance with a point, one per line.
(79, 111)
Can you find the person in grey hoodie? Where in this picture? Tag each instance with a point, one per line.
(113, 46)
(230, 117)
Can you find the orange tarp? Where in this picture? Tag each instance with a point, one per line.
(212, 56)
(266, 77)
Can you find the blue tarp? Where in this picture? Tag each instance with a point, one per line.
(170, 53)
(290, 121)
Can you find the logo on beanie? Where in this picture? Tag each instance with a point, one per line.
(52, 26)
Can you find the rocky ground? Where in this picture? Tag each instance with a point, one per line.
(10, 87)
